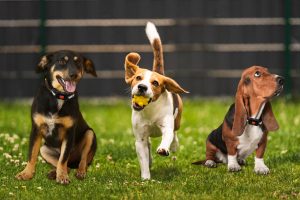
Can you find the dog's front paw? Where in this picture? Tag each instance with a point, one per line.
(262, 170)
(210, 164)
(145, 177)
(234, 167)
(163, 152)
(62, 178)
(24, 175)
(80, 174)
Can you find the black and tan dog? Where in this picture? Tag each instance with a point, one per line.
(56, 118)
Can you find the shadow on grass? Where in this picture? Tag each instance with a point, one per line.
(165, 173)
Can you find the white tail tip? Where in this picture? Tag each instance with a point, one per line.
(151, 32)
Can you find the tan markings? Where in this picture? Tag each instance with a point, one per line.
(262, 146)
(62, 169)
(39, 120)
(178, 117)
(66, 58)
(88, 140)
(158, 60)
(55, 83)
(52, 68)
(255, 87)
(67, 122)
(29, 170)
(75, 58)
(43, 62)
(157, 90)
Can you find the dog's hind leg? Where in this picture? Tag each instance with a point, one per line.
(85, 153)
(175, 143)
(150, 155)
(211, 151)
(51, 156)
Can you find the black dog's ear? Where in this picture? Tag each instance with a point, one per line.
(41, 66)
(89, 67)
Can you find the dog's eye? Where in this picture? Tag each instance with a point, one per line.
(62, 62)
(138, 78)
(76, 59)
(257, 74)
(155, 83)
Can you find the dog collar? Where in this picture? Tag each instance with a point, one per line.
(254, 122)
(57, 94)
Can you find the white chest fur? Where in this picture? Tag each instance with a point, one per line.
(156, 115)
(248, 141)
(50, 121)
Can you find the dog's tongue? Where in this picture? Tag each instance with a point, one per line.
(70, 86)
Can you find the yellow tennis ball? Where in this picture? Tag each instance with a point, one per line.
(140, 100)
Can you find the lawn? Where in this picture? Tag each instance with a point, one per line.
(114, 173)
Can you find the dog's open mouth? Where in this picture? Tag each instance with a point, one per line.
(68, 86)
(278, 91)
(140, 102)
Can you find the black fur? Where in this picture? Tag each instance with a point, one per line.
(46, 104)
(215, 137)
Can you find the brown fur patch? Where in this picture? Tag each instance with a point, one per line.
(158, 60)
(261, 85)
(29, 170)
(40, 120)
(178, 117)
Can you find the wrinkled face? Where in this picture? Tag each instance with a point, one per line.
(64, 69)
(258, 82)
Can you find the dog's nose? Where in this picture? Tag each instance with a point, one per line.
(142, 88)
(280, 80)
(73, 76)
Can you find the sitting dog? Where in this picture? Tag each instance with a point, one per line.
(156, 105)
(56, 118)
(247, 122)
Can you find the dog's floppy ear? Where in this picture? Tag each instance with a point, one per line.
(240, 114)
(44, 61)
(131, 61)
(173, 86)
(269, 119)
(89, 67)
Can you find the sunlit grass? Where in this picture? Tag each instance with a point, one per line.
(114, 173)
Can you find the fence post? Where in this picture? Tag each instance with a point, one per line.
(287, 50)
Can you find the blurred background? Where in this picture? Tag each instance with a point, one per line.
(207, 43)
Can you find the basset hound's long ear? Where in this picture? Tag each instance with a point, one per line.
(240, 114)
(269, 119)
(131, 61)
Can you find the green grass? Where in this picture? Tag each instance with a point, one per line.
(115, 174)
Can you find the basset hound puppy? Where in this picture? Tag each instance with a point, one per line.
(246, 123)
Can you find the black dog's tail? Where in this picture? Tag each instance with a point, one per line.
(158, 60)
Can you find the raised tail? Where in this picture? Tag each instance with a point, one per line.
(153, 36)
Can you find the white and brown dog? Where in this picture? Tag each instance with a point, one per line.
(247, 122)
(161, 115)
